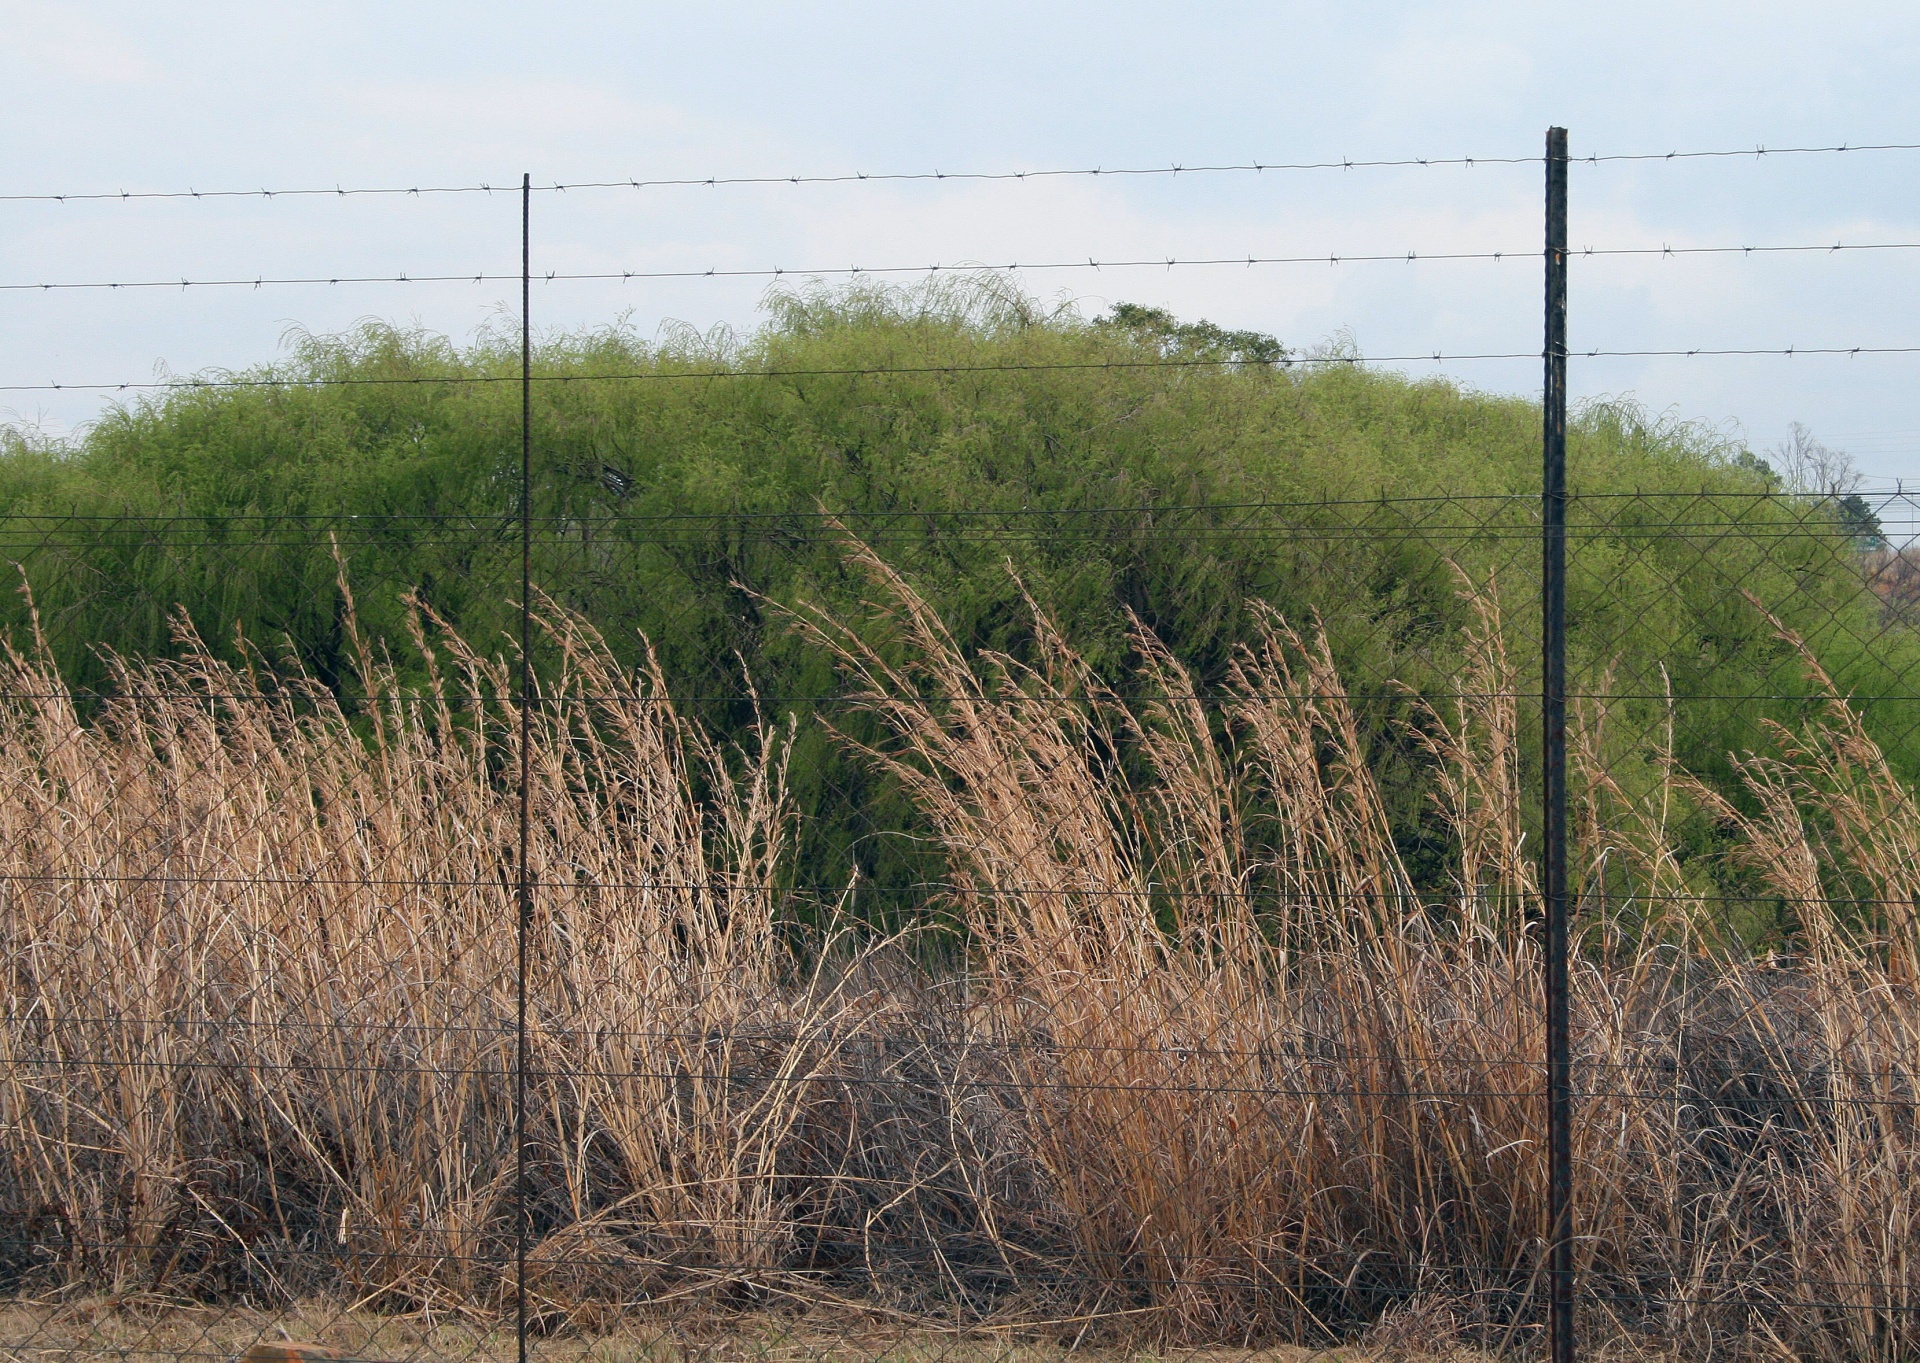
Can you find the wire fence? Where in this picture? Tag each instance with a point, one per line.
(592, 902)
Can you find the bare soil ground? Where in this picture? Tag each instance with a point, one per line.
(156, 1332)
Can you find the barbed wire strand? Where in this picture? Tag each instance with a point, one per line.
(1229, 362)
(1254, 167)
(1410, 257)
(761, 272)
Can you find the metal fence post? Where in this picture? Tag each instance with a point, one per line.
(1554, 762)
(523, 889)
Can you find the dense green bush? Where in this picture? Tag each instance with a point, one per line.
(679, 493)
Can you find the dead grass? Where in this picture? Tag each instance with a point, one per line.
(166, 1332)
(171, 1331)
(1213, 1072)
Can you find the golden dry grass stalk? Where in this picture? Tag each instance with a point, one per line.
(1210, 1068)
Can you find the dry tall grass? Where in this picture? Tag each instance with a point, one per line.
(1212, 1070)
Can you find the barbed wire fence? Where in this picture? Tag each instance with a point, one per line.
(552, 929)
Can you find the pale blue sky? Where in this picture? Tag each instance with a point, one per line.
(113, 96)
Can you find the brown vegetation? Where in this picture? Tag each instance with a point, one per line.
(1203, 1067)
(1894, 576)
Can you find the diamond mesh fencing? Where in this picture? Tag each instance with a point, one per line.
(1743, 753)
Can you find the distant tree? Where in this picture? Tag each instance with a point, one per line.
(1753, 463)
(1812, 469)
(1201, 339)
(1806, 465)
(1857, 518)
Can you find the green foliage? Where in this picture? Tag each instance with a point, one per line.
(1199, 340)
(682, 499)
(1859, 522)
